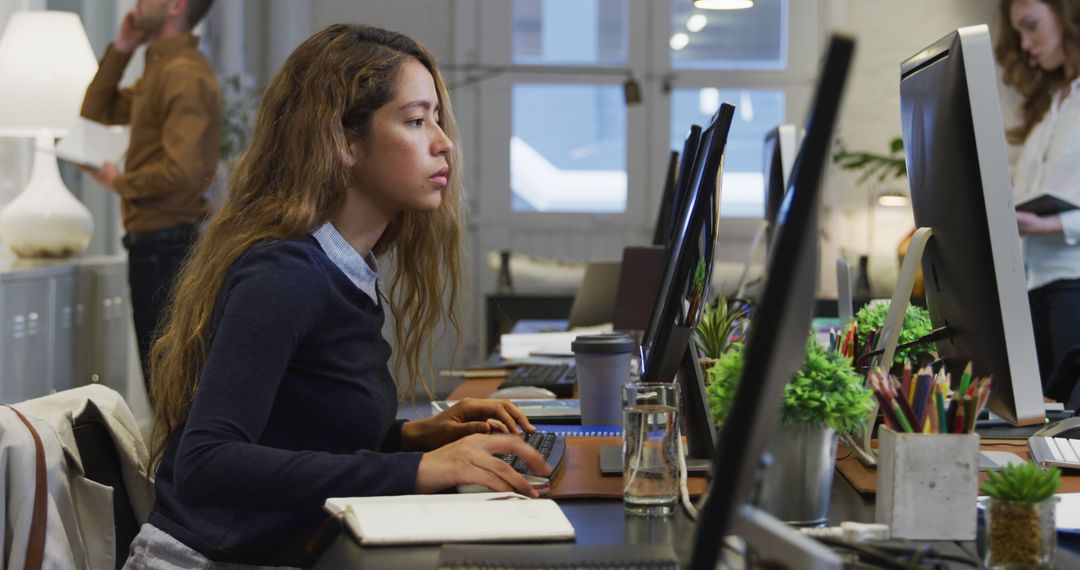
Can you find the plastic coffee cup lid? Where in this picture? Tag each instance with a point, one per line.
(609, 343)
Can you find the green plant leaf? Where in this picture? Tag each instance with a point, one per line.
(916, 325)
(1023, 482)
(825, 392)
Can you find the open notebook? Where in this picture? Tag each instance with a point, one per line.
(435, 519)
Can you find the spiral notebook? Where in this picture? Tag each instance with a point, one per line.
(558, 556)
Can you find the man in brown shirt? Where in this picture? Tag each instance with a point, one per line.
(175, 114)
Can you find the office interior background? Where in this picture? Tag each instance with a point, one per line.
(559, 165)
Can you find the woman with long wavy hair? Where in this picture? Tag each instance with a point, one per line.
(271, 376)
(1039, 51)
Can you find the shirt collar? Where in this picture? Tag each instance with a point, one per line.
(171, 45)
(362, 271)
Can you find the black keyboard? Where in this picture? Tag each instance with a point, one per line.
(559, 378)
(551, 446)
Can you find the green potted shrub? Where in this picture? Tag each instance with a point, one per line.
(715, 330)
(824, 398)
(1020, 516)
(917, 324)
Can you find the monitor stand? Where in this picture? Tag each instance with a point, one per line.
(784, 544)
(890, 335)
(762, 532)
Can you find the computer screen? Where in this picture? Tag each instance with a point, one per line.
(665, 218)
(668, 353)
(776, 340)
(958, 172)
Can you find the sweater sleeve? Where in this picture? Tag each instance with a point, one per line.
(1070, 226)
(104, 102)
(272, 299)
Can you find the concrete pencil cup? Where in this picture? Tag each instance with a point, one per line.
(927, 484)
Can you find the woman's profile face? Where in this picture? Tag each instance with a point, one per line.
(1040, 33)
(403, 165)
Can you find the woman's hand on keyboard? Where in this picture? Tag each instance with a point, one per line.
(467, 417)
(472, 460)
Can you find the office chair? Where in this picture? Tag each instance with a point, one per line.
(101, 464)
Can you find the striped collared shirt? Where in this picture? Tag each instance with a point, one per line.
(362, 271)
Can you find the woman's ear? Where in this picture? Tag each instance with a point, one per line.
(355, 152)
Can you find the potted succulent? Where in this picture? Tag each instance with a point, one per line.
(824, 398)
(1020, 516)
(715, 330)
(916, 325)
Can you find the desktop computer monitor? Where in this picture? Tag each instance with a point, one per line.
(781, 144)
(672, 201)
(664, 218)
(775, 348)
(667, 349)
(958, 173)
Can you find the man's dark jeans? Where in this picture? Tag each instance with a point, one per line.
(154, 259)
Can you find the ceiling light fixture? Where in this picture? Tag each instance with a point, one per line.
(723, 4)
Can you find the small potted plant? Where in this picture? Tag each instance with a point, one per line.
(916, 325)
(715, 330)
(1020, 516)
(824, 398)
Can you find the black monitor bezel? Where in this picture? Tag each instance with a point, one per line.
(664, 221)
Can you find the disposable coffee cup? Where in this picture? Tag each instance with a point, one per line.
(603, 366)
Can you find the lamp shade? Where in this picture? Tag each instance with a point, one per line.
(46, 62)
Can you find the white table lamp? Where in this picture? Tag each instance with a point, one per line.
(46, 62)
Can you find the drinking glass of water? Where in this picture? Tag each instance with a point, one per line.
(651, 466)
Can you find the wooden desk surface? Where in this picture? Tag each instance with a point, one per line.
(864, 479)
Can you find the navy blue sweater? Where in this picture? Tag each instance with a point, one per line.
(295, 404)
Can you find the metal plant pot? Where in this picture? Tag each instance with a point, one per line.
(796, 486)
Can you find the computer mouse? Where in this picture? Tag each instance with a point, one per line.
(1068, 428)
(524, 393)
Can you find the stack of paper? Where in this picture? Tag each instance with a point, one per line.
(475, 517)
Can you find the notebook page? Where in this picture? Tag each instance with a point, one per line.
(437, 521)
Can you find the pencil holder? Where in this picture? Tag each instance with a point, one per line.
(927, 484)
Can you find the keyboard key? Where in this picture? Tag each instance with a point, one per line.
(1066, 450)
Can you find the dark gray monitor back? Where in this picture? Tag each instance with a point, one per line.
(959, 178)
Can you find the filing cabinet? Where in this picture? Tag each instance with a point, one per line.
(64, 324)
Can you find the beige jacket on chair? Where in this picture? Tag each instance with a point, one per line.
(80, 529)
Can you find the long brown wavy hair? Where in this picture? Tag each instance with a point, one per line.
(291, 179)
(1036, 85)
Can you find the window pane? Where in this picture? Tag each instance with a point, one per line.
(580, 32)
(754, 38)
(756, 111)
(568, 149)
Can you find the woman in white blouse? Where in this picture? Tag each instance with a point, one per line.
(1039, 51)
